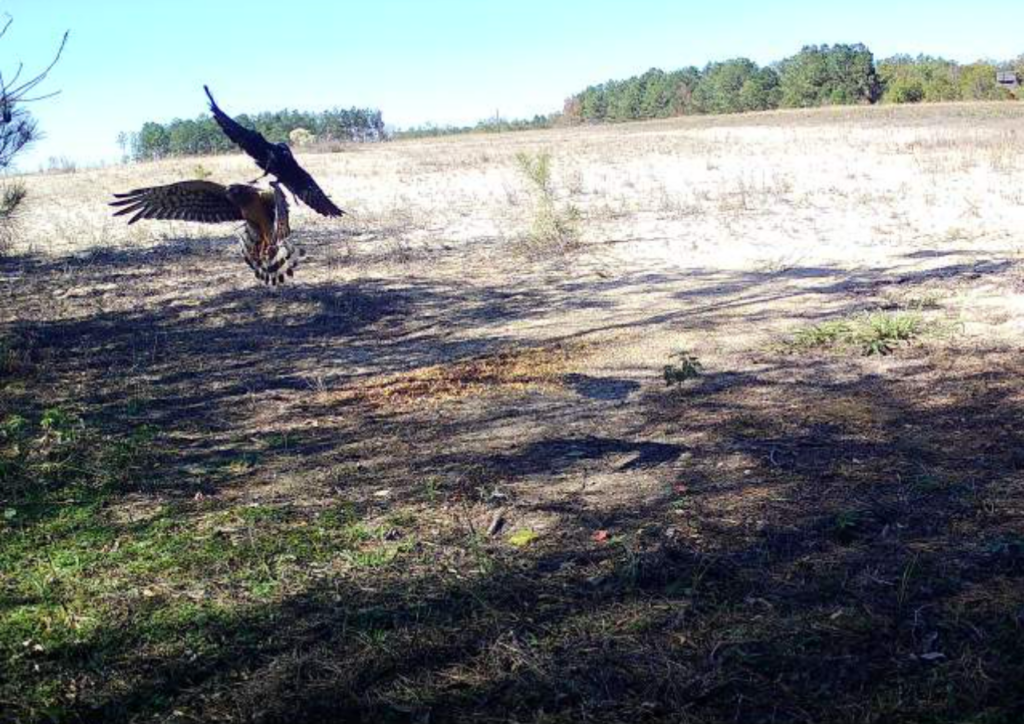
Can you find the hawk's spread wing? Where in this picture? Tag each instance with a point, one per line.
(252, 142)
(185, 201)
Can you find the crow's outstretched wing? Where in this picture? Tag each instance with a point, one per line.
(300, 183)
(275, 159)
(185, 201)
(252, 142)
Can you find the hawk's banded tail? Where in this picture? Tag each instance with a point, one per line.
(274, 267)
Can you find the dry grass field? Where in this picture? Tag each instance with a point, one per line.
(721, 421)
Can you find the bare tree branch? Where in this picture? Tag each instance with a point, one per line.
(39, 98)
(9, 96)
(17, 127)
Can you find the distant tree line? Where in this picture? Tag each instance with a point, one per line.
(203, 136)
(490, 125)
(816, 76)
(924, 79)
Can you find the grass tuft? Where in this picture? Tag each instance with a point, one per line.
(877, 333)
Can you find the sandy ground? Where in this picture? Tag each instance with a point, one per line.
(749, 222)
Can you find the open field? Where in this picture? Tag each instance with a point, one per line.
(453, 473)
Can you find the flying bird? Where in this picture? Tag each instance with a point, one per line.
(275, 159)
(265, 213)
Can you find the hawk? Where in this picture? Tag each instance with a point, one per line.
(265, 213)
(275, 159)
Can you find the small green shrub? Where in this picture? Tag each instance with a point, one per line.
(13, 427)
(11, 196)
(62, 425)
(686, 368)
(554, 226)
(536, 169)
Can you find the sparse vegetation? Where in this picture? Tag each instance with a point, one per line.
(823, 334)
(687, 367)
(555, 223)
(883, 332)
(846, 524)
(60, 164)
(12, 193)
(876, 333)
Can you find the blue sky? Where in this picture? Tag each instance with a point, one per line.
(446, 61)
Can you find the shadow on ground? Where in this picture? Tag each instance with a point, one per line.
(811, 539)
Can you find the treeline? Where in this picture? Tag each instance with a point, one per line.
(816, 76)
(183, 137)
(927, 80)
(490, 125)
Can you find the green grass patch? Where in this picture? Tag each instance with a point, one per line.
(875, 333)
(83, 579)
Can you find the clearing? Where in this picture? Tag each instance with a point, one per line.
(753, 452)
